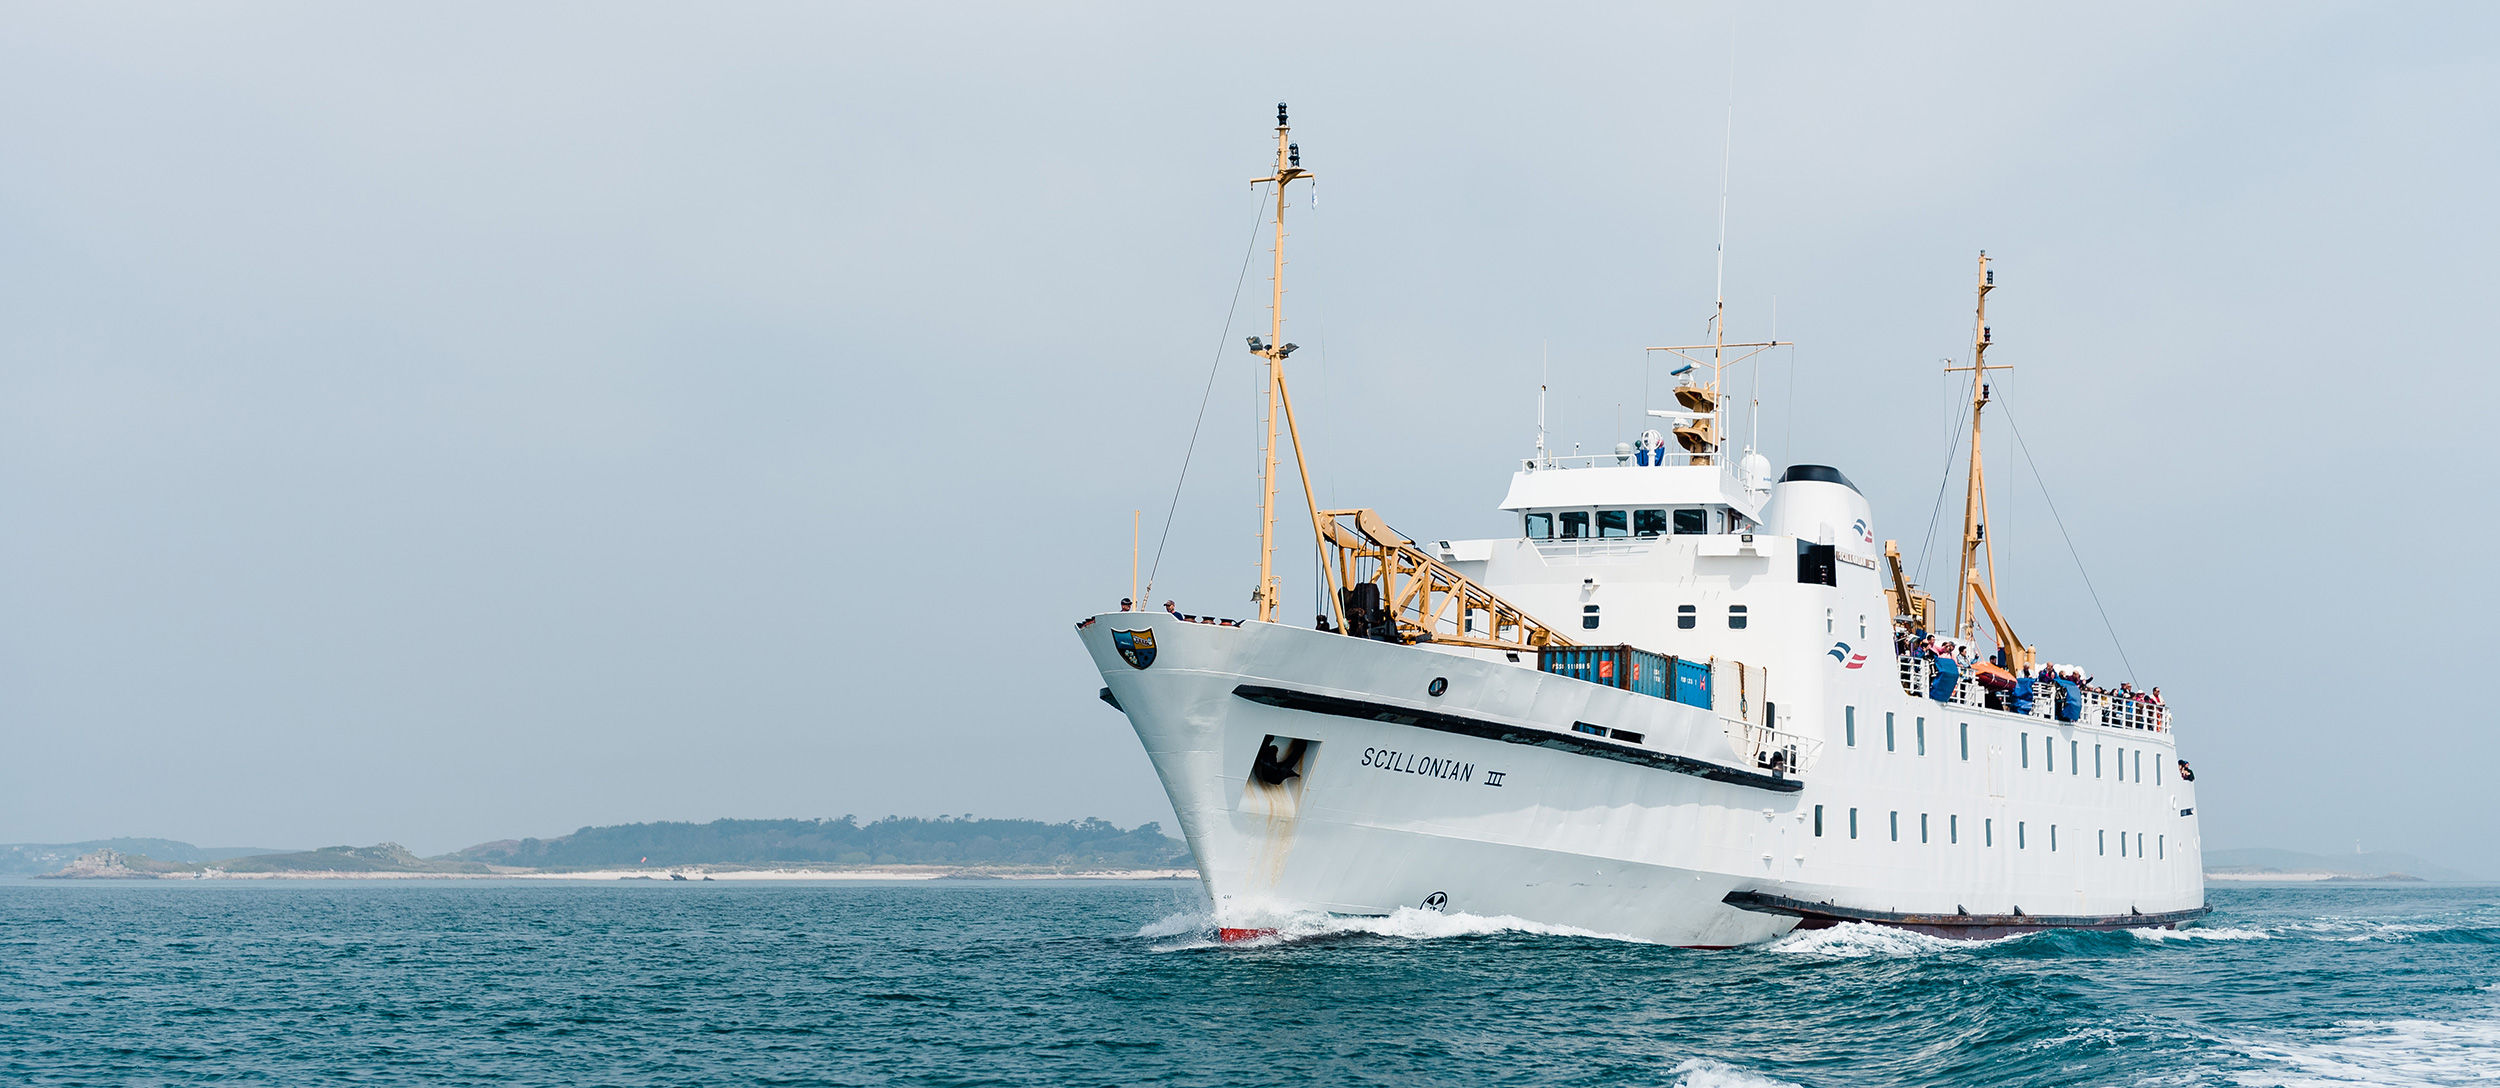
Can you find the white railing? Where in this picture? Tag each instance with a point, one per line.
(1762, 748)
(2099, 708)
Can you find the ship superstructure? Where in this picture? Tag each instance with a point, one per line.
(1682, 701)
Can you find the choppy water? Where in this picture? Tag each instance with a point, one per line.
(994, 983)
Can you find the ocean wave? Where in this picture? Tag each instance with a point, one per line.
(2353, 930)
(1851, 940)
(2203, 933)
(2400, 1053)
(1406, 922)
(1705, 1073)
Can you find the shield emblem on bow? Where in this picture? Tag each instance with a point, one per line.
(1136, 647)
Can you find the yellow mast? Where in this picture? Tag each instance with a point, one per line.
(1977, 547)
(1274, 350)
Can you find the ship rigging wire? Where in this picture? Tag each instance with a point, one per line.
(1213, 369)
(2005, 408)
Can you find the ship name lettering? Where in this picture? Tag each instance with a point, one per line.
(1427, 766)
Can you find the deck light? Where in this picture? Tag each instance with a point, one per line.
(1293, 154)
(1280, 114)
(1286, 350)
(1255, 345)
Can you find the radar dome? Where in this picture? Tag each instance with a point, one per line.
(1755, 471)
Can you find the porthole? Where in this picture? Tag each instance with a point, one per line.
(1439, 685)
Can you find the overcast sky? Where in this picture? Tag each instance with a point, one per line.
(441, 423)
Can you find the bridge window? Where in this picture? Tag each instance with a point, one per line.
(1575, 524)
(1540, 526)
(1649, 523)
(1614, 523)
(1686, 616)
(1692, 521)
(1736, 617)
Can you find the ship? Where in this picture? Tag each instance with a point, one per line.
(1683, 701)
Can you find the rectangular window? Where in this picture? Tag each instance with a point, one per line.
(2122, 844)
(1988, 832)
(1818, 564)
(1540, 526)
(2052, 838)
(1922, 736)
(2157, 772)
(1686, 616)
(1849, 725)
(2139, 844)
(2019, 835)
(2048, 751)
(1953, 829)
(1575, 524)
(1896, 825)
(2161, 848)
(1818, 821)
(1585, 727)
(2096, 761)
(1965, 742)
(1614, 523)
(2074, 758)
(1692, 521)
(1588, 617)
(1888, 731)
(1853, 823)
(2026, 751)
(1922, 827)
(2104, 842)
(1649, 523)
(1736, 617)
(2122, 763)
(2139, 769)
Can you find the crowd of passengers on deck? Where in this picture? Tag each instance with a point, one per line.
(2003, 687)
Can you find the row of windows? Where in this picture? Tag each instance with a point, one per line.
(1602, 524)
(1918, 732)
(2074, 759)
(2048, 748)
(1988, 833)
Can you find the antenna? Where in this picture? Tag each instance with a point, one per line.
(1544, 362)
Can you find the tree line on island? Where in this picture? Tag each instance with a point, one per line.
(1089, 843)
(1085, 845)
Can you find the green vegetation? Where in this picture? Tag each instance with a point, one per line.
(389, 857)
(896, 840)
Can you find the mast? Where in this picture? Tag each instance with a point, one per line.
(1977, 548)
(1274, 350)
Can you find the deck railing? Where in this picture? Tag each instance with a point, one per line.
(2099, 708)
(1757, 746)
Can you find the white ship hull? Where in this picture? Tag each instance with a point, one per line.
(1486, 799)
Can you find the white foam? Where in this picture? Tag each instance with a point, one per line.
(1407, 922)
(1417, 924)
(2363, 929)
(1180, 924)
(1851, 940)
(2203, 933)
(2397, 1053)
(1704, 1073)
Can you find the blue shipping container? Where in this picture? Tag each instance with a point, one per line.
(1692, 683)
(1626, 667)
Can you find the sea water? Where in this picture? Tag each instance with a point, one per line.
(1121, 983)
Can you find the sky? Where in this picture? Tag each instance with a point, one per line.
(443, 423)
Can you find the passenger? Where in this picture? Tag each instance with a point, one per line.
(2156, 696)
(1171, 608)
